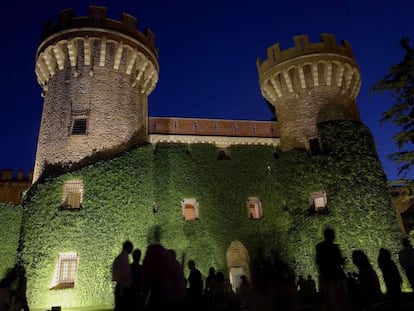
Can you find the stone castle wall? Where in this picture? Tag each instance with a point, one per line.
(308, 84)
(103, 75)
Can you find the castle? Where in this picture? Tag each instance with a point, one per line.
(227, 192)
(307, 84)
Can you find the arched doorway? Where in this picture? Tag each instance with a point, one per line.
(238, 263)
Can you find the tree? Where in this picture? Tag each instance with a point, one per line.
(400, 81)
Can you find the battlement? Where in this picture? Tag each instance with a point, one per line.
(307, 66)
(96, 19)
(302, 47)
(10, 175)
(79, 45)
(308, 84)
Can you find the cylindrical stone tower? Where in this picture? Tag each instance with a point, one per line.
(308, 84)
(96, 74)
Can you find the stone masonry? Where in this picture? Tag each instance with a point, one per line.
(308, 84)
(98, 70)
(101, 71)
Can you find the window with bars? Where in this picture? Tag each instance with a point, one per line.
(189, 209)
(72, 194)
(66, 270)
(254, 208)
(79, 126)
(318, 201)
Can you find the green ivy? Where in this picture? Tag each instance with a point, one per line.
(118, 196)
(10, 223)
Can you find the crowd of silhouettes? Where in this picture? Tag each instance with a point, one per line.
(160, 283)
(361, 290)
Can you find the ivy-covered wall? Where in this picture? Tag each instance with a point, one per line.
(118, 196)
(10, 224)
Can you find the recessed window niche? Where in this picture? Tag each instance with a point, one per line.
(189, 209)
(72, 194)
(254, 208)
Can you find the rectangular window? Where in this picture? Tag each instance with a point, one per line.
(189, 212)
(72, 194)
(66, 270)
(79, 126)
(318, 201)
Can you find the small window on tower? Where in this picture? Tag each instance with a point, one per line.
(254, 208)
(79, 126)
(189, 209)
(72, 194)
(65, 274)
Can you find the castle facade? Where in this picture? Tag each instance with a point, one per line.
(228, 193)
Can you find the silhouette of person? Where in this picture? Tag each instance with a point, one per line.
(369, 285)
(6, 289)
(20, 299)
(263, 289)
(160, 281)
(210, 285)
(406, 259)
(178, 292)
(210, 281)
(311, 286)
(122, 275)
(220, 294)
(195, 283)
(244, 294)
(333, 280)
(301, 285)
(284, 285)
(352, 287)
(136, 286)
(390, 274)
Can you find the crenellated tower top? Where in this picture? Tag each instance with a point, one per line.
(302, 47)
(62, 42)
(308, 84)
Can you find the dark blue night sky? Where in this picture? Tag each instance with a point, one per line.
(207, 56)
